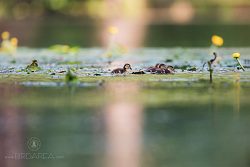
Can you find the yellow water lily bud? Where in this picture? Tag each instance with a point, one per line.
(217, 40)
(14, 41)
(113, 30)
(5, 35)
(236, 55)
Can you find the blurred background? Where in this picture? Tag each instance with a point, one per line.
(141, 23)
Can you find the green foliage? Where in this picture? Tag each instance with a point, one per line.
(240, 65)
(186, 68)
(71, 77)
(193, 68)
(65, 49)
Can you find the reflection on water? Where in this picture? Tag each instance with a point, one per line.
(12, 130)
(86, 34)
(126, 124)
(129, 17)
(123, 120)
(237, 93)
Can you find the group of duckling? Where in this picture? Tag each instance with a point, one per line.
(159, 68)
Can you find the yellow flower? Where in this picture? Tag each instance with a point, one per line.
(14, 41)
(236, 55)
(113, 30)
(217, 40)
(5, 35)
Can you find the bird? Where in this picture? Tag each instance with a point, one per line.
(152, 68)
(161, 69)
(125, 69)
(156, 67)
(33, 67)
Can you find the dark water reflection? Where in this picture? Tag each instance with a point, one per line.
(127, 124)
(48, 32)
(155, 36)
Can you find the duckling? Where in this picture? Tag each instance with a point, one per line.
(152, 69)
(161, 69)
(125, 69)
(171, 69)
(33, 66)
(156, 67)
(34, 63)
(165, 70)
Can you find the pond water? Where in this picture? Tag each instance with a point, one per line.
(141, 120)
(155, 35)
(48, 32)
(124, 124)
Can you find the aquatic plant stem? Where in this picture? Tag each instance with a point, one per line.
(211, 76)
(241, 66)
(210, 71)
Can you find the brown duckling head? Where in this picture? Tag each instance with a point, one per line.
(170, 68)
(34, 61)
(162, 66)
(157, 65)
(127, 67)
